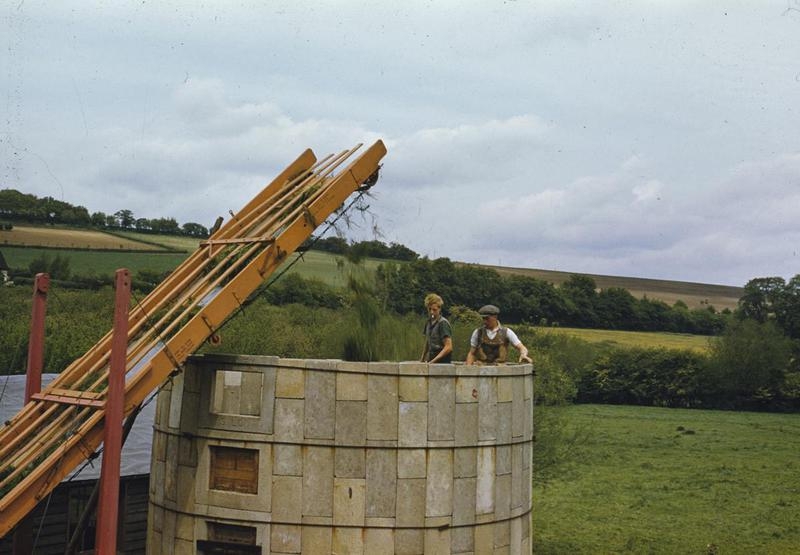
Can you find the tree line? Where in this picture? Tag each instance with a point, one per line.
(575, 303)
(21, 207)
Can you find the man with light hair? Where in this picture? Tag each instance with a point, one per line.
(489, 343)
(438, 333)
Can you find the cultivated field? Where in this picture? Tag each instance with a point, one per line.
(693, 294)
(652, 480)
(174, 242)
(67, 238)
(614, 338)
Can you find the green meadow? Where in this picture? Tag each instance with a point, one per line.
(653, 480)
(96, 263)
(616, 338)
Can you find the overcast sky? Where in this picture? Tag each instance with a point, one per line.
(649, 139)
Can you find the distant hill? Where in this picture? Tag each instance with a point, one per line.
(693, 294)
(327, 266)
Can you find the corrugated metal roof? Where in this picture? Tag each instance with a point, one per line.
(135, 453)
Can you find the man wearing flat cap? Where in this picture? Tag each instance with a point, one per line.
(489, 343)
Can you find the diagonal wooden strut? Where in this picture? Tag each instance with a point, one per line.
(63, 425)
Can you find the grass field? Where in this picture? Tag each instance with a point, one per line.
(613, 338)
(69, 238)
(96, 262)
(652, 480)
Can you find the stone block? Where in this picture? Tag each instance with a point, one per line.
(487, 409)
(503, 459)
(410, 502)
(484, 539)
(437, 542)
(190, 417)
(519, 414)
(184, 527)
(411, 463)
(157, 522)
(287, 498)
(186, 488)
(378, 541)
(348, 540)
(351, 430)
(289, 420)
(502, 497)
(318, 481)
(316, 540)
(171, 470)
(465, 462)
(350, 463)
(519, 477)
(183, 547)
(176, 402)
(484, 495)
(287, 460)
(251, 394)
(466, 389)
(502, 534)
(320, 413)
(462, 540)
(466, 432)
(441, 409)
(157, 469)
(187, 452)
(464, 502)
(409, 542)
(439, 485)
(382, 408)
(413, 424)
(159, 446)
(413, 389)
(504, 416)
(408, 368)
(285, 538)
(168, 534)
(386, 368)
(515, 539)
(505, 389)
(381, 482)
(351, 387)
(349, 499)
(290, 383)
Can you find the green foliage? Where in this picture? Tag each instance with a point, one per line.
(294, 289)
(57, 267)
(772, 298)
(74, 322)
(660, 377)
(748, 365)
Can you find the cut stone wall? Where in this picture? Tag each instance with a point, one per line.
(351, 457)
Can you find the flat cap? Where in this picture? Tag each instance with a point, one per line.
(489, 310)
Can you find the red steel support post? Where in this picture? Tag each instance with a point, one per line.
(108, 505)
(33, 383)
(23, 534)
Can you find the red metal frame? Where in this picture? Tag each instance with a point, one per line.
(108, 504)
(23, 534)
(33, 382)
